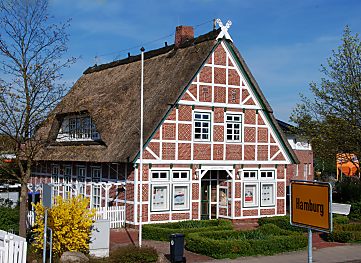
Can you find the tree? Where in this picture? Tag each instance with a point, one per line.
(31, 50)
(331, 120)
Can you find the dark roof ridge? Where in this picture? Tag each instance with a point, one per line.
(155, 52)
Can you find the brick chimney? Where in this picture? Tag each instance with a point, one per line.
(182, 34)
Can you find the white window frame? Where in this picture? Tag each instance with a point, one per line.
(266, 178)
(232, 129)
(159, 179)
(167, 206)
(305, 168)
(180, 172)
(202, 122)
(255, 195)
(273, 203)
(186, 206)
(255, 178)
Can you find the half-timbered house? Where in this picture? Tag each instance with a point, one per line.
(212, 146)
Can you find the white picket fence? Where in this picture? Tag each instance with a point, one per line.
(115, 214)
(12, 248)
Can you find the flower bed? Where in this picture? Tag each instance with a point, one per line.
(266, 240)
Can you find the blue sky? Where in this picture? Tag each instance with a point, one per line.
(283, 42)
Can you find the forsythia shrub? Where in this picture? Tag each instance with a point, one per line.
(71, 222)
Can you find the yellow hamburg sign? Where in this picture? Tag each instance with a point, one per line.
(311, 204)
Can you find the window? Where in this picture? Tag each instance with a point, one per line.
(160, 175)
(160, 198)
(81, 174)
(55, 170)
(309, 169)
(296, 172)
(202, 125)
(233, 124)
(305, 170)
(250, 195)
(96, 174)
(223, 196)
(267, 174)
(180, 197)
(250, 175)
(180, 175)
(67, 179)
(96, 196)
(267, 194)
(78, 128)
(67, 171)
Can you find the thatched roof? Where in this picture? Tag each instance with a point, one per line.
(110, 94)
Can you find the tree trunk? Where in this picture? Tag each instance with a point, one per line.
(23, 209)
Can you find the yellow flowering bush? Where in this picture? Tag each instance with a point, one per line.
(71, 222)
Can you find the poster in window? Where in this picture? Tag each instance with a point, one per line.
(222, 196)
(180, 197)
(250, 195)
(159, 198)
(267, 195)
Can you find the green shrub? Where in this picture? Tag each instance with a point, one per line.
(266, 240)
(282, 222)
(133, 254)
(348, 190)
(340, 219)
(163, 231)
(345, 233)
(9, 219)
(355, 213)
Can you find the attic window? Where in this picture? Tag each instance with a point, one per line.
(78, 128)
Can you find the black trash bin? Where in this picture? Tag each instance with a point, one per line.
(176, 248)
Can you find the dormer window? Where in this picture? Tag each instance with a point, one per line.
(78, 128)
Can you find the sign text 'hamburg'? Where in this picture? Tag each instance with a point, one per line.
(311, 205)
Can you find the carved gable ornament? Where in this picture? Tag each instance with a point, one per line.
(224, 29)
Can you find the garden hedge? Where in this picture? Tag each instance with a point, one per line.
(266, 240)
(355, 213)
(345, 233)
(282, 222)
(163, 231)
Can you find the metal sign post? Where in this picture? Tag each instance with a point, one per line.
(311, 208)
(48, 194)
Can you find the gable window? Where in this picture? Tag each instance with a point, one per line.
(78, 128)
(233, 124)
(202, 126)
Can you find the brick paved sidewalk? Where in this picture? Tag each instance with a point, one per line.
(347, 253)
